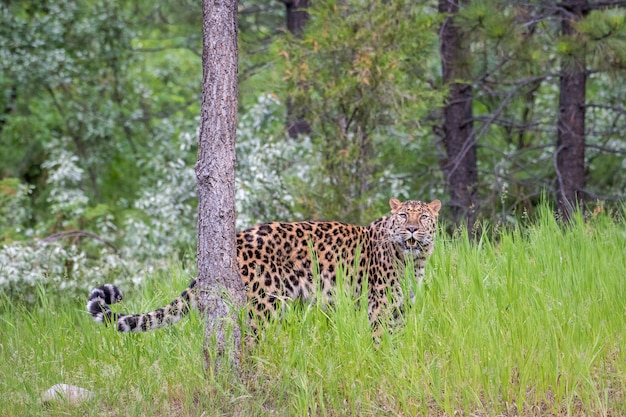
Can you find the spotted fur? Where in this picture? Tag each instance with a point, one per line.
(275, 263)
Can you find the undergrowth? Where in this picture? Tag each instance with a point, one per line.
(529, 323)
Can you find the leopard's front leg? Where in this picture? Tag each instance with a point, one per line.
(385, 309)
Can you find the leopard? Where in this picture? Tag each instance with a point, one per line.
(282, 261)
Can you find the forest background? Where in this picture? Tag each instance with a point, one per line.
(488, 105)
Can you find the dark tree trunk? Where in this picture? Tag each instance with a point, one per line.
(459, 164)
(297, 16)
(223, 293)
(9, 106)
(570, 144)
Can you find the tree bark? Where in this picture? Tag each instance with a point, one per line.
(9, 106)
(459, 165)
(222, 291)
(297, 16)
(570, 144)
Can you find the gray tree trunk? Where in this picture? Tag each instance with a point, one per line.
(222, 291)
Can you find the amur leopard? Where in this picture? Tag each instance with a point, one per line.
(276, 263)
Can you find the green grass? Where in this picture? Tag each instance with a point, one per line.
(531, 323)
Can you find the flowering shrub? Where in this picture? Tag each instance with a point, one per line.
(54, 265)
(66, 199)
(268, 163)
(87, 245)
(84, 244)
(63, 260)
(163, 218)
(14, 207)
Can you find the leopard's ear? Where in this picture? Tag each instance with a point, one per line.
(395, 204)
(435, 206)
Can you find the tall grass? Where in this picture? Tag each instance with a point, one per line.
(531, 322)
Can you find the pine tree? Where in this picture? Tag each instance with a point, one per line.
(459, 165)
(532, 66)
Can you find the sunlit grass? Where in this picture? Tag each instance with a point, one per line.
(529, 323)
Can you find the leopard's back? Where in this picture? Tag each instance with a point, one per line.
(279, 261)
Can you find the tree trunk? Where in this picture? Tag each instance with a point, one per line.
(9, 106)
(459, 165)
(221, 288)
(570, 144)
(297, 16)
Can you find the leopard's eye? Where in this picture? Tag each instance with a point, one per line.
(403, 216)
(424, 217)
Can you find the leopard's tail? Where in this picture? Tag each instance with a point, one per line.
(101, 297)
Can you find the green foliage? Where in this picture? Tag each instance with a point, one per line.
(99, 104)
(78, 85)
(267, 164)
(515, 79)
(530, 320)
(65, 60)
(14, 207)
(603, 32)
(359, 69)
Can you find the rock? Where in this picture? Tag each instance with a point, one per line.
(63, 392)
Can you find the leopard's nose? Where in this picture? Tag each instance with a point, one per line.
(411, 229)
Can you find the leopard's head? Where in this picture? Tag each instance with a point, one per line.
(412, 226)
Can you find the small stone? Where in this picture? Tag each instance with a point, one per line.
(63, 392)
